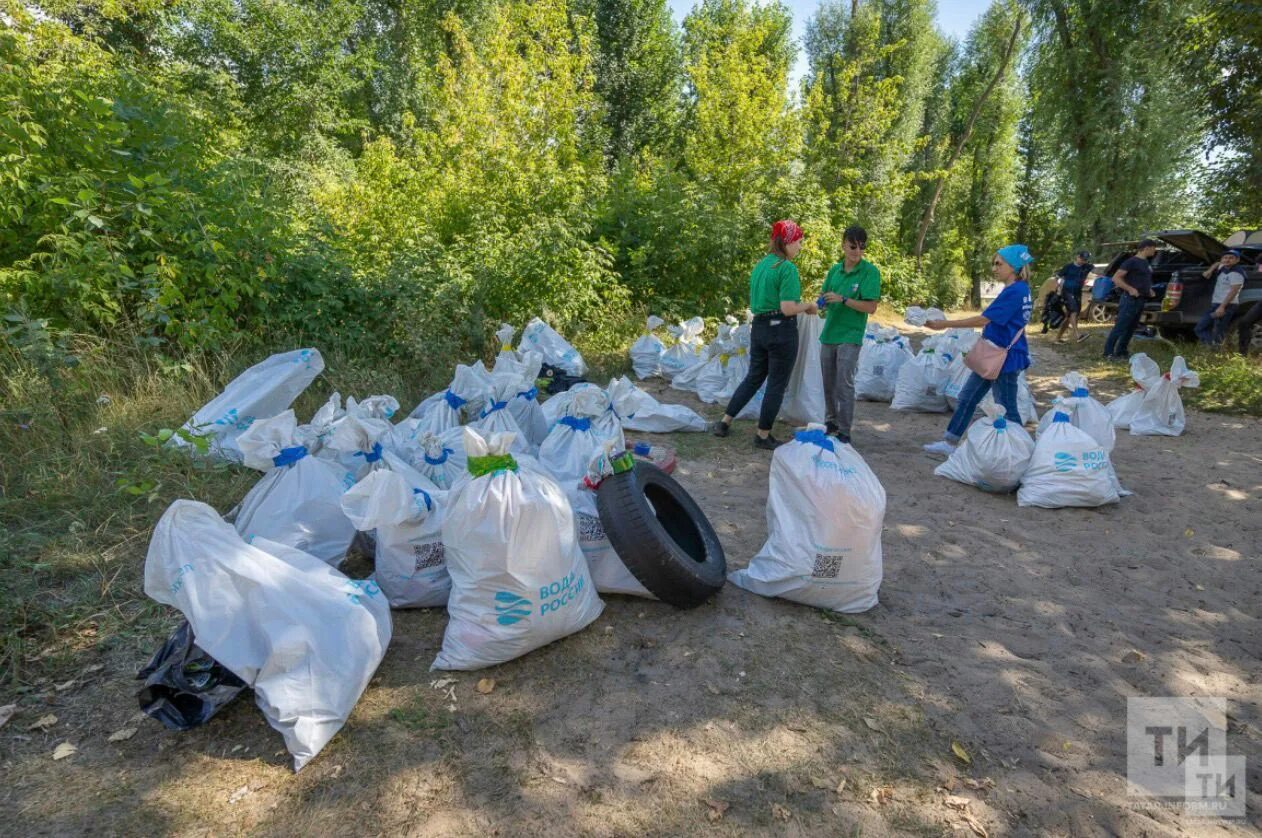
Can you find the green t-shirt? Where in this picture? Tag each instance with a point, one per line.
(842, 324)
(773, 281)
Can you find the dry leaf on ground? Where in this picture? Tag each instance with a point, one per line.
(957, 802)
(486, 685)
(820, 783)
(841, 786)
(716, 810)
(6, 713)
(975, 825)
(238, 794)
(872, 723)
(64, 750)
(123, 735)
(961, 754)
(781, 812)
(882, 795)
(62, 687)
(43, 722)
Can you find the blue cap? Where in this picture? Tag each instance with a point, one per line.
(1234, 252)
(1016, 255)
(642, 449)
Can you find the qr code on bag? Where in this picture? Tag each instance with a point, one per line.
(826, 566)
(589, 528)
(428, 555)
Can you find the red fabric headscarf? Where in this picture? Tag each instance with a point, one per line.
(786, 231)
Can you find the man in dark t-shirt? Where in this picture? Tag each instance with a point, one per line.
(1134, 279)
(1072, 278)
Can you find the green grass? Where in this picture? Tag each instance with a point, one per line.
(1230, 383)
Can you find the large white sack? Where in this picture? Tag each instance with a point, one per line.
(447, 409)
(638, 411)
(958, 342)
(919, 381)
(304, 637)
(519, 579)
(686, 379)
(317, 432)
(993, 456)
(1145, 373)
(441, 457)
(825, 510)
(804, 397)
(357, 443)
(497, 418)
(738, 363)
(409, 564)
(555, 349)
(880, 358)
(506, 354)
(1068, 468)
(712, 378)
(575, 439)
(261, 392)
(1085, 413)
(1161, 412)
(298, 501)
(646, 352)
(917, 316)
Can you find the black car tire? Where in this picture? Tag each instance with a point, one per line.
(661, 535)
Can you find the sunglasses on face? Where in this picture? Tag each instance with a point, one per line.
(853, 246)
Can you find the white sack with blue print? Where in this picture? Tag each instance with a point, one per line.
(1069, 468)
(825, 510)
(518, 576)
(304, 637)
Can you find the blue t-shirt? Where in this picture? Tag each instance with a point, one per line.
(1008, 315)
(1073, 276)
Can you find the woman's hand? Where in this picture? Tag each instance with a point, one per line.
(936, 325)
(832, 297)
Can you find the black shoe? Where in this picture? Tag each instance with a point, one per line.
(831, 429)
(767, 443)
(845, 438)
(721, 429)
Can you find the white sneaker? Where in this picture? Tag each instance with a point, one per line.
(941, 448)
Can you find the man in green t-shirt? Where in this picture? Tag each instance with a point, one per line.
(852, 290)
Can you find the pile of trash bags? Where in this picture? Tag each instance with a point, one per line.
(1154, 407)
(474, 501)
(882, 355)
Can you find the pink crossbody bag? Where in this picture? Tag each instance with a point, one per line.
(986, 358)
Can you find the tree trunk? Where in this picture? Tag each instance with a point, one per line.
(927, 218)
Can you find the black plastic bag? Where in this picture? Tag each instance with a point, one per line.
(558, 379)
(184, 686)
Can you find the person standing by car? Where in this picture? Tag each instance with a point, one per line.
(1003, 324)
(851, 292)
(775, 294)
(1134, 279)
(1228, 280)
(1072, 279)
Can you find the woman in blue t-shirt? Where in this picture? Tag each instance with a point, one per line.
(1003, 324)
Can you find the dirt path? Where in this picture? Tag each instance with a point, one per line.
(1017, 633)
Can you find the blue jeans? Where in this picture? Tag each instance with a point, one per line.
(1119, 340)
(971, 395)
(1211, 330)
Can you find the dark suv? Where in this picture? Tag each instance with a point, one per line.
(1185, 256)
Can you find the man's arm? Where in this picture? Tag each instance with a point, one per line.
(791, 309)
(1205, 273)
(1119, 279)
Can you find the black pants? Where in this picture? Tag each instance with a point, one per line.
(1245, 324)
(773, 349)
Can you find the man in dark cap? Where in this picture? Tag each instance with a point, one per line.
(1072, 279)
(1134, 279)
(1228, 276)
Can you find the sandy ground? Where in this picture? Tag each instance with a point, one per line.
(1016, 633)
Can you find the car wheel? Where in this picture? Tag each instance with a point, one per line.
(661, 535)
(1099, 313)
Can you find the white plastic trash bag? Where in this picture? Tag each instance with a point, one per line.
(1026, 406)
(880, 358)
(447, 409)
(519, 579)
(555, 349)
(316, 433)
(441, 457)
(686, 379)
(357, 443)
(1085, 413)
(1145, 373)
(261, 392)
(825, 510)
(525, 406)
(639, 411)
(646, 352)
(1068, 468)
(917, 316)
(1161, 412)
(993, 456)
(409, 558)
(574, 440)
(504, 334)
(918, 386)
(804, 395)
(304, 637)
(298, 501)
(497, 418)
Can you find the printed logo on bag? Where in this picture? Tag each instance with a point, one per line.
(304, 358)
(832, 465)
(511, 608)
(357, 589)
(1176, 757)
(232, 420)
(348, 480)
(178, 583)
(1065, 462)
(560, 593)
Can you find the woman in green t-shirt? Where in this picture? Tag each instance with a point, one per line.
(775, 294)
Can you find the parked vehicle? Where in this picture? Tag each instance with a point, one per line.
(1181, 293)
(1049, 287)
